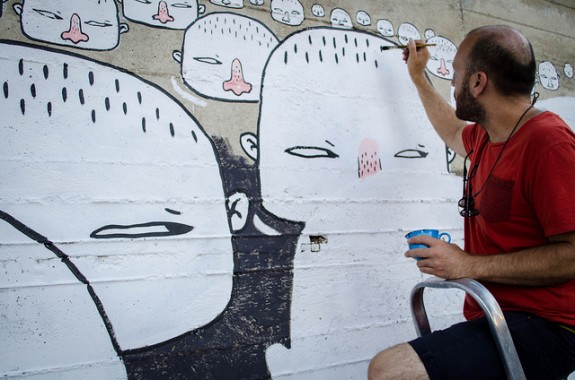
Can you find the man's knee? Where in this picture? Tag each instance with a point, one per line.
(397, 362)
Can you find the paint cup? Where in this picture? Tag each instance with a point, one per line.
(433, 233)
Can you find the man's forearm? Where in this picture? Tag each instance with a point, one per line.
(441, 115)
(551, 264)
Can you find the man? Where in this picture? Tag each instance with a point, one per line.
(519, 214)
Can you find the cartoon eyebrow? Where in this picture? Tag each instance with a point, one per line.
(135, 231)
(208, 60)
(48, 14)
(311, 152)
(99, 23)
(144, 1)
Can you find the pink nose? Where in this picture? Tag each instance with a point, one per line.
(443, 70)
(163, 14)
(368, 161)
(237, 83)
(75, 33)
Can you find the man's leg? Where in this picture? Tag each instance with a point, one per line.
(400, 362)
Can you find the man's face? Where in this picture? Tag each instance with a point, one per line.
(467, 107)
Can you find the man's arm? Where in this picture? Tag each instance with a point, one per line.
(439, 111)
(549, 264)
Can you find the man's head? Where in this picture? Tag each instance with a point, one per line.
(506, 59)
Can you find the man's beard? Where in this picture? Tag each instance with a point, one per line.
(467, 107)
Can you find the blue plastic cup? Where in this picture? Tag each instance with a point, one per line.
(433, 233)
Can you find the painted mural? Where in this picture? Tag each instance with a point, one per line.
(138, 240)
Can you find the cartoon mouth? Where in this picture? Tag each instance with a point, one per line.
(152, 229)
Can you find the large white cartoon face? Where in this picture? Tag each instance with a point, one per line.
(238, 4)
(440, 62)
(85, 24)
(125, 176)
(289, 12)
(385, 28)
(548, 76)
(407, 31)
(224, 55)
(340, 19)
(170, 14)
(339, 120)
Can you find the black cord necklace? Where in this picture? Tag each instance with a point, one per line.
(502, 148)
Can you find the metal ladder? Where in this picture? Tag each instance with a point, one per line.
(489, 306)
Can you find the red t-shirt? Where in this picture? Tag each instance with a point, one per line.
(529, 196)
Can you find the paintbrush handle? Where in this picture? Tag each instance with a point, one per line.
(405, 46)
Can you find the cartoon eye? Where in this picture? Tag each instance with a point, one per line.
(208, 60)
(311, 152)
(181, 5)
(98, 24)
(48, 14)
(295, 13)
(135, 231)
(412, 153)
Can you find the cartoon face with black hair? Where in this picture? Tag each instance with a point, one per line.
(344, 146)
(124, 182)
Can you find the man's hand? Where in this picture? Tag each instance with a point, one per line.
(441, 259)
(416, 59)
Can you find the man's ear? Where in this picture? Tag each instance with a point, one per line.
(478, 87)
(249, 143)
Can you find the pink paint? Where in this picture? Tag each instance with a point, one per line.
(163, 14)
(75, 33)
(368, 161)
(236, 84)
(443, 70)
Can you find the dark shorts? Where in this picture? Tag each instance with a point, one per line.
(467, 350)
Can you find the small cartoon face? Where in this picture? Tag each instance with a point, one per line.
(407, 31)
(257, 2)
(229, 49)
(385, 28)
(170, 14)
(548, 76)
(340, 19)
(429, 33)
(238, 4)
(568, 70)
(440, 62)
(289, 12)
(363, 18)
(84, 24)
(317, 10)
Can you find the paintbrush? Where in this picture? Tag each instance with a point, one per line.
(418, 46)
